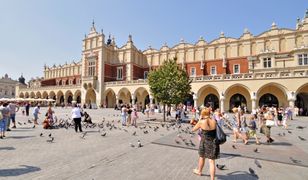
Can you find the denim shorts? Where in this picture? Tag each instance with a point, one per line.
(2, 125)
(13, 117)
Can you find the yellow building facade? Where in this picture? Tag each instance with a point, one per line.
(253, 70)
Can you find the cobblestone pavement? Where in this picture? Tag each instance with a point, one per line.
(24, 154)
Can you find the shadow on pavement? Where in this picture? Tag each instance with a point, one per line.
(280, 144)
(18, 171)
(237, 175)
(19, 137)
(7, 148)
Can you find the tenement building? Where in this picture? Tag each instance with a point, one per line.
(270, 68)
(7, 86)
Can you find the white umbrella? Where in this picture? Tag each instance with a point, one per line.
(39, 99)
(51, 100)
(4, 99)
(20, 99)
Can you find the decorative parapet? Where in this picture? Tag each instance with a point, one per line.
(50, 88)
(228, 77)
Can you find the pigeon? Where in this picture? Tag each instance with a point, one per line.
(301, 138)
(139, 144)
(252, 172)
(191, 143)
(256, 150)
(145, 132)
(24, 123)
(50, 140)
(258, 163)
(49, 135)
(176, 141)
(19, 123)
(125, 130)
(134, 133)
(29, 121)
(290, 132)
(221, 167)
(41, 134)
(103, 134)
(84, 134)
(33, 126)
(131, 145)
(294, 160)
(233, 146)
(279, 134)
(300, 127)
(284, 134)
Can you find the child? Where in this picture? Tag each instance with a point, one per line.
(135, 117)
(243, 129)
(252, 131)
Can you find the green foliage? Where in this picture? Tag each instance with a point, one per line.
(169, 83)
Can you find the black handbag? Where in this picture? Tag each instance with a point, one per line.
(221, 137)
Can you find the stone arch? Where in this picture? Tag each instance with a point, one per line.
(60, 97)
(77, 96)
(38, 95)
(68, 97)
(110, 98)
(302, 100)
(141, 95)
(52, 95)
(45, 95)
(211, 100)
(27, 95)
(278, 90)
(269, 100)
(90, 96)
(204, 91)
(124, 96)
(32, 95)
(21, 95)
(234, 96)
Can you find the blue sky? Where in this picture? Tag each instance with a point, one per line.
(35, 32)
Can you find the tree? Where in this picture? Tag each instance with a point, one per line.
(169, 83)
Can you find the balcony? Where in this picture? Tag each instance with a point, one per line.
(89, 81)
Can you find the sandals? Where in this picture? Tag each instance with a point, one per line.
(196, 171)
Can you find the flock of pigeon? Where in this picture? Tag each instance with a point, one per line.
(113, 125)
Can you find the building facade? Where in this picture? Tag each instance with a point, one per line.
(253, 70)
(7, 86)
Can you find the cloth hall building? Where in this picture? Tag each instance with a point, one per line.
(253, 70)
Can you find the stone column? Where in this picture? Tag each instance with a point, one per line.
(195, 101)
(253, 104)
(291, 103)
(151, 99)
(117, 100)
(133, 101)
(222, 104)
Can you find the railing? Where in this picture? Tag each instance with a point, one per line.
(139, 81)
(74, 86)
(220, 77)
(229, 77)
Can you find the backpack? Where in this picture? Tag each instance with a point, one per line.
(221, 137)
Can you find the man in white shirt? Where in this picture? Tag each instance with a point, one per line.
(13, 109)
(76, 116)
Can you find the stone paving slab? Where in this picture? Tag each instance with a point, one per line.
(282, 150)
(26, 155)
